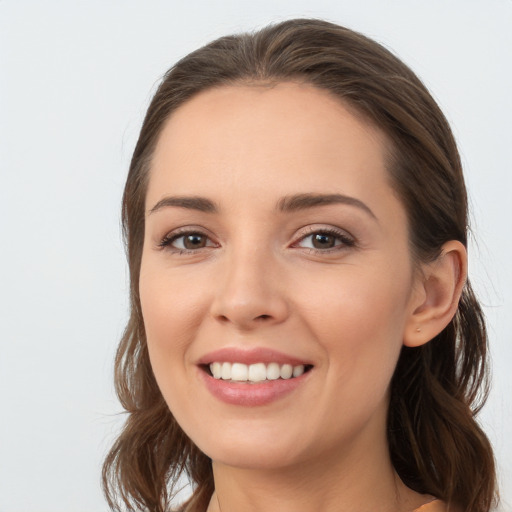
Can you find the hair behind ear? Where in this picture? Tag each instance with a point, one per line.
(437, 390)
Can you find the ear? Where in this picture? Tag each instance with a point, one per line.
(436, 295)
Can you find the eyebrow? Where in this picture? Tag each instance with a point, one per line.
(304, 201)
(291, 203)
(201, 204)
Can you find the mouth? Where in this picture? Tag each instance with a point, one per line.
(254, 373)
(256, 376)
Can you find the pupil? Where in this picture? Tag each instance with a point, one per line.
(194, 241)
(323, 241)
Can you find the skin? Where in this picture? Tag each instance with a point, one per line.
(258, 281)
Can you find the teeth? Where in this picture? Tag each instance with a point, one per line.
(273, 371)
(298, 370)
(239, 371)
(257, 372)
(226, 371)
(216, 369)
(286, 371)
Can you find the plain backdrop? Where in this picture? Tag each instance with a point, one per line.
(75, 79)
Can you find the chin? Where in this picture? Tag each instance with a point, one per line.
(254, 458)
(258, 452)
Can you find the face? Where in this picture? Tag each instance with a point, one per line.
(276, 278)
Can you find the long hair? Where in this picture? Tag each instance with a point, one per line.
(435, 443)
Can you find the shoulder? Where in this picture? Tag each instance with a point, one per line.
(433, 506)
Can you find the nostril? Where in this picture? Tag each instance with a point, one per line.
(248, 313)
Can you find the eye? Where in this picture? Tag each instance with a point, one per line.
(189, 241)
(325, 239)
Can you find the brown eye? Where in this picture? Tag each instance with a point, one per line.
(323, 241)
(187, 241)
(193, 241)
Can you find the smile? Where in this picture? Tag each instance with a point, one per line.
(258, 372)
(252, 377)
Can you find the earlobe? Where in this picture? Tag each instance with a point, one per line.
(435, 301)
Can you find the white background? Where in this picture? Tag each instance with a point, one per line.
(75, 79)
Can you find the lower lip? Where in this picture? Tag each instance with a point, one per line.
(251, 395)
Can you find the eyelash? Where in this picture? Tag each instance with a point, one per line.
(346, 240)
(168, 240)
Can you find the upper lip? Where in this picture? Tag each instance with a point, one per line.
(250, 356)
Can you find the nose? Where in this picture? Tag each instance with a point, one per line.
(251, 292)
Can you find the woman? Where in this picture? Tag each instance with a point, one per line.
(302, 333)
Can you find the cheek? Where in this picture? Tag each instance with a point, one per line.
(359, 321)
(171, 309)
(169, 318)
(361, 337)
(356, 301)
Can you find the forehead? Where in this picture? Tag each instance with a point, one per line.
(286, 137)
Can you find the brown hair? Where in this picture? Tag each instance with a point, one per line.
(437, 389)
